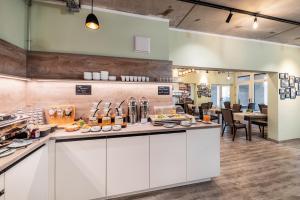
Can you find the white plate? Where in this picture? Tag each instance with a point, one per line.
(96, 128)
(20, 143)
(106, 128)
(7, 153)
(169, 125)
(116, 127)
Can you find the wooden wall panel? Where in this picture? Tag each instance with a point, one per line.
(12, 59)
(71, 66)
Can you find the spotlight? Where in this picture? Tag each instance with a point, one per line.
(229, 17)
(255, 24)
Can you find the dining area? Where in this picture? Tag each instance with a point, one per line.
(233, 118)
(236, 100)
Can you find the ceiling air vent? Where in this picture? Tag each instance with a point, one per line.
(73, 5)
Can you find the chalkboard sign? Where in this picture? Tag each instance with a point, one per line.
(83, 89)
(163, 90)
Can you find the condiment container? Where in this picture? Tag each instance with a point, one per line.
(119, 120)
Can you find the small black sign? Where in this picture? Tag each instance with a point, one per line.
(83, 89)
(163, 90)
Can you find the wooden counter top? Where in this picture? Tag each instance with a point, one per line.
(136, 129)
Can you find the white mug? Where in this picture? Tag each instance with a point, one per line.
(123, 78)
(131, 78)
(147, 79)
(143, 78)
(139, 78)
(127, 78)
(135, 78)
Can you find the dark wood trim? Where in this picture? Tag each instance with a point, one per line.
(50, 65)
(12, 59)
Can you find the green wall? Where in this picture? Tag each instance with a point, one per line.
(213, 51)
(13, 22)
(54, 29)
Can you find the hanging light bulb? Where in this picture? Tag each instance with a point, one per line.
(255, 24)
(228, 76)
(91, 20)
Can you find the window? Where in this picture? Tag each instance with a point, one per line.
(260, 90)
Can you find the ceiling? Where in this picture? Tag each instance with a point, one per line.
(188, 16)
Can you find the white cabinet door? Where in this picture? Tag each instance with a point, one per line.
(28, 179)
(203, 153)
(80, 169)
(127, 164)
(167, 159)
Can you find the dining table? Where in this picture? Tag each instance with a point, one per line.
(216, 111)
(249, 117)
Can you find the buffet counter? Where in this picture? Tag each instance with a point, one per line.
(136, 159)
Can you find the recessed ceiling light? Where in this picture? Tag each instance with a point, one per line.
(197, 20)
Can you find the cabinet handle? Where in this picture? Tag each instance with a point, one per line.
(2, 192)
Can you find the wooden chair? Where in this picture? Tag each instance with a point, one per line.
(190, 109)
(251, 106)
(261, 106)
(205, 106)
(210, 104)
(236, 108)
(227, 115)
(227, 105)
(203, 109)
(262, 123)
(179, 109)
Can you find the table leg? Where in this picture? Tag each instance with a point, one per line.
(250, 130)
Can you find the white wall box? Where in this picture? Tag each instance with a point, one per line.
(203, 153)
(127, 165)
(81, 169)
(28, 179)
(142, 44)
(167, 159)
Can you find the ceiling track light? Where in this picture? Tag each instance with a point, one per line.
(255, 23)
(229, 17)
(91, 21)
(240, 11)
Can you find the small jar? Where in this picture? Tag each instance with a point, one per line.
(93, 121)
(106, 120)
(119, 120)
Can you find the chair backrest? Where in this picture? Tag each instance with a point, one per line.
(227, 116)
(251, 106)
(236, 108)
(190, 109)
(200, 112)
(205, 106)
(261, 106)
(210, 104)
(227, 104)
(179, 109)
(264, 111)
